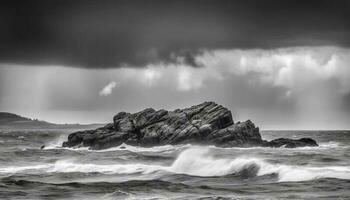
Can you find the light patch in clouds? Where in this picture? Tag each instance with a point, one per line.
(178, 76)
(107, 90)
(151, 76)
(186, 81)
(288, 94)
(292, 68)
(189, 78)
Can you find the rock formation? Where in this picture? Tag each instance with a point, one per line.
(290, 143)
(207, 124)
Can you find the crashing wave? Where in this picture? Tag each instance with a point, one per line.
(195, 161)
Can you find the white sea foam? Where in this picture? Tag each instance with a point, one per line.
(325, 145)
(68, 166)
(199, 162)
(163, 148)
(16, 169)
(330, 144)
(57, 143)
(288, 173)
(196, 161)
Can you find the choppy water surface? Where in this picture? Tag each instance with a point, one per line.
(174, 172)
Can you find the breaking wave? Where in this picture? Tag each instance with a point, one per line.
(194, 161)
(200, 162)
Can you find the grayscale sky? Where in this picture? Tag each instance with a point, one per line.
(283, 64)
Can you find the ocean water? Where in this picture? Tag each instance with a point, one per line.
(174, 172)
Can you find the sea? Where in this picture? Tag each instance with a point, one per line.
(173, 172)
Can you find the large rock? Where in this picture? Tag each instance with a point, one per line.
(207, 123)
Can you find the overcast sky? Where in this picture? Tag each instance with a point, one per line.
(283, 64)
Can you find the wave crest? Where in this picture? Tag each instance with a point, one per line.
(200, 162)
(195, 161)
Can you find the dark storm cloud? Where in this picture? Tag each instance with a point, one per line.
(99, 34)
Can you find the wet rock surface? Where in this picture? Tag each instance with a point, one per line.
(207, 124)
(290, 143)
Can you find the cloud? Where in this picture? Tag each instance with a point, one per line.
(295, 68)
(117, 33)
(295, 87)
(107, 90)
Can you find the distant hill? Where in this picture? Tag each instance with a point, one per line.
(13, 121)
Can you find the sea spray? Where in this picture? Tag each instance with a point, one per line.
(194, 161)
(199, 161)
(57, 142)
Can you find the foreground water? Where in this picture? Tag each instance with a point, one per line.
(174, 172)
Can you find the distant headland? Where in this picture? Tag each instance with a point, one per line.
(10, 121)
